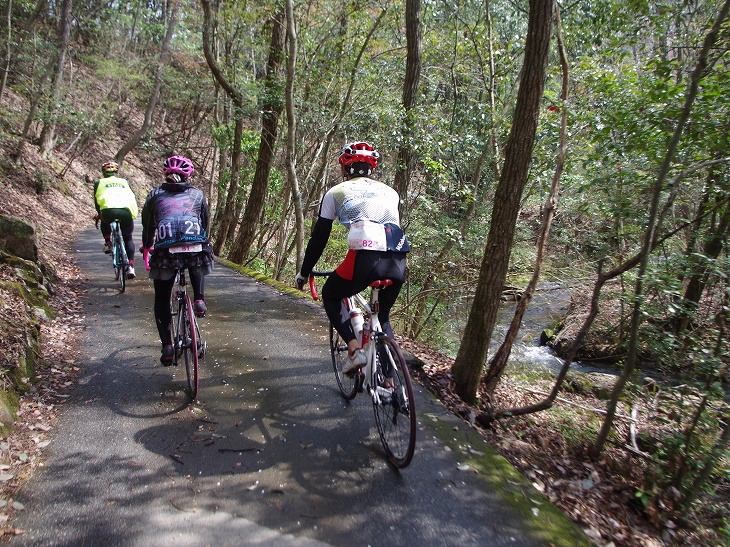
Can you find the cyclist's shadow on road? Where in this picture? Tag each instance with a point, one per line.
(131, 387)
(241, 449)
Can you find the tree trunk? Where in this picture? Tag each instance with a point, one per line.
(474, 346)
(24, 27)
(296, 194)
(48, 133)
(227, 219)
(271, 107)
(499, 362)
(222, 105)
(5, 61)
(714, 244)
(135, 139)
(410, 93)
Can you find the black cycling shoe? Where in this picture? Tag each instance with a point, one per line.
(168, 352)
(199, 308)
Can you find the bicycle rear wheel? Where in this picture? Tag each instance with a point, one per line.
(116, 259)
(395, 414)
(202, 345)
(348, 383)
(120, 261)
(190, 348)
(178, 332)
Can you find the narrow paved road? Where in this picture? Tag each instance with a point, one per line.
(270, 455)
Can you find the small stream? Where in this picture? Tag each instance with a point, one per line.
(548, 305)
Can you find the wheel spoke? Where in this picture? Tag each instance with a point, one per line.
(393, 403)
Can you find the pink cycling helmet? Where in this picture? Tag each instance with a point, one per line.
(178, 165)
(359, 152)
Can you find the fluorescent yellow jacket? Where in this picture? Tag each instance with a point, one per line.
(115, 193)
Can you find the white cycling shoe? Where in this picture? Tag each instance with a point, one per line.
(355, 361)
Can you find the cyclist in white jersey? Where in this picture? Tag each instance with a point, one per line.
(377, 244)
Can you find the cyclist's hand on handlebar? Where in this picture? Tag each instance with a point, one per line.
(299, 281)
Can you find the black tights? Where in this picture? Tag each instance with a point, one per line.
(126, 223)
(163, 311)
(369, 266)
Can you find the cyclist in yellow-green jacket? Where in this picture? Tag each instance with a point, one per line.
(114, 200)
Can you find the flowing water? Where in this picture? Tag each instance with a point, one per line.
(548, 306)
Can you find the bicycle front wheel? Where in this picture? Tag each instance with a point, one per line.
(348, 383)
(190, 349)
(393, 403)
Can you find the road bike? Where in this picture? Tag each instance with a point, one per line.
(385, 375)
(187, 338)
(120, 260)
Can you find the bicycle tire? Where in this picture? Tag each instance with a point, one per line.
(348, 383)
(190, 348)
(120, 261)
(174, 319)
(395, 414)
(178, 329)
(202, 345)
(115, 258)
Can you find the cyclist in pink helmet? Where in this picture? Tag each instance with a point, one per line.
(175, 219)
(377, 244)
(179, 168)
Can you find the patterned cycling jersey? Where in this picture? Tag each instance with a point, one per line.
(370, 210)
(176, 217)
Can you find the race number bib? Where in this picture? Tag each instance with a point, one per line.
(190, 248)
(368, 236)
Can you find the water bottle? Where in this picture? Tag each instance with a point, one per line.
(357, 321)
(365, 333)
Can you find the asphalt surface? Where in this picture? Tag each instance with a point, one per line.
(270, 454)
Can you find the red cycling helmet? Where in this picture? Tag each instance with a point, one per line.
(356, 152)
(178, 165)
